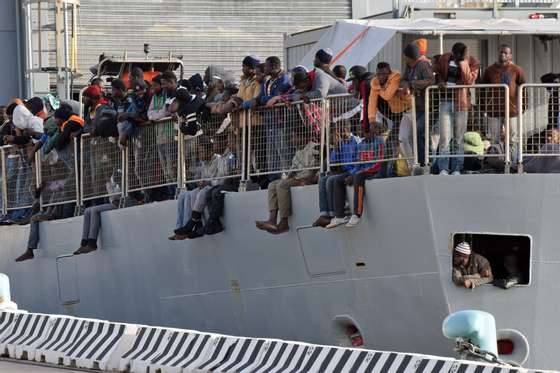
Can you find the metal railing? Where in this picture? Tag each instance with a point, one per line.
(102, 168)
(393, 132)
(460, 118)
(290, 138)
(539, 124)
(152, 156)
(277, 137)
(221, 145)
(19, 178)
(57, 175)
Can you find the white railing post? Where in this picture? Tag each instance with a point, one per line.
(415, 161)
(520, 130)
(126, 168)
(327, 137)
(325, 128)
(77, 175)
(81, 168)
(39, 177)
(180, 161)
(427, 100)
(245, 148)
(508, 132)
(81, 101)
(4, 181)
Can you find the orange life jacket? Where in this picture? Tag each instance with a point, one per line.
(73, 118)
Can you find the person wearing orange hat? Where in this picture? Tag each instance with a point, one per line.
(422, 45)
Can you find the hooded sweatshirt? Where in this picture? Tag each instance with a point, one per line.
(388, 92)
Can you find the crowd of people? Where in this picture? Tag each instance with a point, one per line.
(287, 143)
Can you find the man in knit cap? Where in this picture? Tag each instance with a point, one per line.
(322, 61)
(470, 269)
(249, 87)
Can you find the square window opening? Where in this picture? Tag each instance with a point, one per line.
(509, 255)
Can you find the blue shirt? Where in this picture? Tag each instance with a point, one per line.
(274, 87)
(346, 152)
(369, 151)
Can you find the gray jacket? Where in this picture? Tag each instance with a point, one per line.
(325, 85)
(417, 79)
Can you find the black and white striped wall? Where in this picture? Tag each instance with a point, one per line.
(108, 346)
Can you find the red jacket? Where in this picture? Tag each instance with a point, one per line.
(468, 72)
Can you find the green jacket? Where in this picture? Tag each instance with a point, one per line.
(53, 132)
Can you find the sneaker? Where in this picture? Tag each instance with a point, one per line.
(354, 221)
(322, 221)
(335, 222)
(455, 173)
(187, 228)
(197, 232)
(444, 172)
(213, 227)
(86, 249)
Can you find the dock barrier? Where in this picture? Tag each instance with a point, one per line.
(108, 346)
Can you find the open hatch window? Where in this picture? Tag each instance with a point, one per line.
(509, 255)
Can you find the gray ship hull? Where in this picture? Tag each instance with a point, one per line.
(390, 276)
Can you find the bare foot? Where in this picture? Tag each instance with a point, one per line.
(269, 227)
(281, 228)
(264, 224)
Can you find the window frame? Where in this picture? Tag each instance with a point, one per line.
(452, 240)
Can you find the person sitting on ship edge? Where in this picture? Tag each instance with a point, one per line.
(370, 151)
(343, 153)
(279, 195)
(92, 216)
(188, 220)
(470, 269)
(219, 170)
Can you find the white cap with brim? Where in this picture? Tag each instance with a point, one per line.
(463, 248)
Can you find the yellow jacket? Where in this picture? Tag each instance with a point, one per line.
(388, 92)
(249, 88)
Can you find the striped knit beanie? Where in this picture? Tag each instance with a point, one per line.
(463, 248)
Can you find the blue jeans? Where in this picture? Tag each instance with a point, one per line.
(33, 240)
(323, 198)
(326, 193)
(451, 130)
(185, 205)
